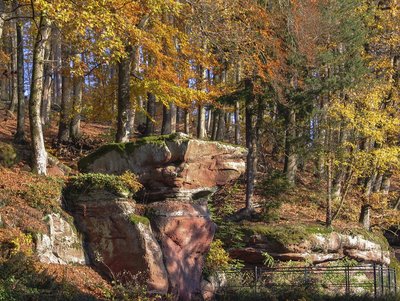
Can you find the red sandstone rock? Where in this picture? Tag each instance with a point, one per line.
(115, 244)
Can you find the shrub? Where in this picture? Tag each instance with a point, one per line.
(8, 155)
(125, 185)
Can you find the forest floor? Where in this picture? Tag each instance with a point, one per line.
(301, 205)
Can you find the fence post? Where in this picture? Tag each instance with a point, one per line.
(255, 278)
(395, 281)
(375, 280)
(382, 282)
(347, 279)
(389, 280)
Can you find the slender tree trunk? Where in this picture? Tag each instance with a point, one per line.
(46, 97)
(57, 56)
(201, 122)
(220, 135)
(20, 134)
(187, 121)
(216, 116)
(237, 123)
(173, 110)
(66, 108)
(151, 112)
(39, 155)
(365, 216)
(251, 143)
(166, 121)
(290, 167)
(386, 181)
(328, 221)
(75, 127)
(124, 122)
(378, 182)
(14, 63)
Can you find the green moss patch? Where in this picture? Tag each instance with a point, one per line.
(125, 185)
(284, 235)
(139, 219)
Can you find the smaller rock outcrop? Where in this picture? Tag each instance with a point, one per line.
(317, 248)
(62, 244)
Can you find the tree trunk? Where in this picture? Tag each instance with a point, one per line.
(66, 108)
(172, 108)
(124, 121)
(151, 114)
(187, 121)
(365, 216)
(237, 123)
(251, 143)
(201, 122)
(46, 97)
(57, 56)
(215, 123)
(75, 127)
(14, 62)
(39, 155)
(166, 121)
(290, 167)
(220, 135)
(386, 183)
(20, 134)
(328, 221)
(378, 182)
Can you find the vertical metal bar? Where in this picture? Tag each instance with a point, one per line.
(395, 281)
(255, 278)
(346, 279)
(375, 280)
(382, 281)
(389, 281)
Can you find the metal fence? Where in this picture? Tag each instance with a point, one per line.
(373, 280)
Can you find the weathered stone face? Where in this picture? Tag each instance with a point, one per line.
(116, 243)
(185, 232)
(171, 168)
(62, 244)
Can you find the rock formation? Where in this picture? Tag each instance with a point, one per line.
(167, 238)
(171, 167)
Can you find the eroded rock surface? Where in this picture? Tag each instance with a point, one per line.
(171, 167)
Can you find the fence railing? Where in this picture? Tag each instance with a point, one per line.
(374, 280)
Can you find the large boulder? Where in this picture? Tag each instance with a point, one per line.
(185, 232)
(171, 166)
(118, 240)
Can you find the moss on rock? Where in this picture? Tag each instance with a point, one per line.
(125, 185)
(139, 219)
